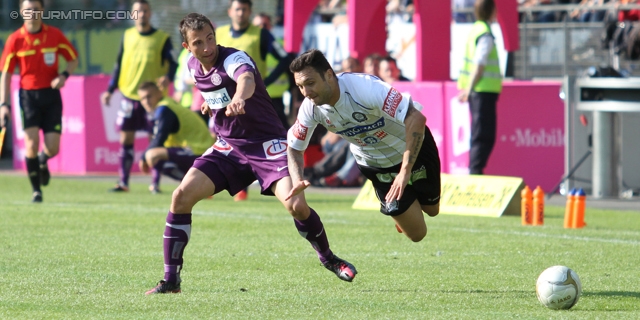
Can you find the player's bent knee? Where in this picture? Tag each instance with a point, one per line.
(182, 201)
(431, 211)
(299, 210)
(51, 152)
(417, 237)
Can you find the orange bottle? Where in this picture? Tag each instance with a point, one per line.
(568, 210)
(526, 205)
(538, 207)
(578, 209)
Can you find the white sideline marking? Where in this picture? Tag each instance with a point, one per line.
(544, 235)
(346, 222)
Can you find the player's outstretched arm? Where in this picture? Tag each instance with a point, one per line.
(246, 86)
(296, 164)
(414, 123)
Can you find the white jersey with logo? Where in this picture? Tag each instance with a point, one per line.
(369, 114)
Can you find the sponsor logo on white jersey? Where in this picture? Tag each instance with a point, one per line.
(300, 131)
(362, 129)
(392, 102)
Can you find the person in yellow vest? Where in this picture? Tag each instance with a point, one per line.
(278, 70)
(257, 43)
(179, 136)
(145, 55)
(480, 83)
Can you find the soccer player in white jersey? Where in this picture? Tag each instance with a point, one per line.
(389, 138)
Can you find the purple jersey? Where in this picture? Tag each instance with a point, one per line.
(260, 122)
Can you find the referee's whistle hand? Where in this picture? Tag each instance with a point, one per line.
(58, 82)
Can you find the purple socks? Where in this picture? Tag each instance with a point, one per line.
(126, 161)
(312, 229)
(176, 236)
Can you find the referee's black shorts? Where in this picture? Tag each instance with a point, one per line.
(41, 108)
(424, 185)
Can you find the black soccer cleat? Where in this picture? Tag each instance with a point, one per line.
(343, 269)
(37, 197)
(119, 188)
(45, 175)
(164, 287)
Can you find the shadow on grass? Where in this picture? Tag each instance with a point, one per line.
(611, 294)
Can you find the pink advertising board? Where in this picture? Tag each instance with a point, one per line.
(530, 135)
(430, 95)
(89, 141)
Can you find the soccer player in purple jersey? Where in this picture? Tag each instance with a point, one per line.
(251, 146)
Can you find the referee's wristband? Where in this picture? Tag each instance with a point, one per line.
(65, 74)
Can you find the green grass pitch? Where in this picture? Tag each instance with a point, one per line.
(88, 254)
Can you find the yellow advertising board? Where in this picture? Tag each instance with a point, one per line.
(471, 195)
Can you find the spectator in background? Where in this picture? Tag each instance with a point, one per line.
(179, 136)
(39, 94)
(327, 10)
(389, 71)
(539, 16)
(586, 13)
(338, 167)
(145, 55)
(401, 10)
(462, 17)
(279, 71)
(628, 15)
(480, 83)
(257, 43)
(372, 64)
(351, 64)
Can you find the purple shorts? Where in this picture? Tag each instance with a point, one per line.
(133, 117)
(183, 158)
(234, 168)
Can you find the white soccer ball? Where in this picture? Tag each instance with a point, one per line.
(558, 287)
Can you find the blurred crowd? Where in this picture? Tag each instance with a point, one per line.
(587, 11)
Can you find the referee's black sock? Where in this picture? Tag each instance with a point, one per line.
(33, 170)
(43, 157)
